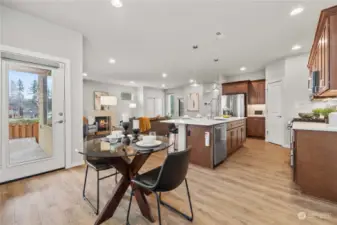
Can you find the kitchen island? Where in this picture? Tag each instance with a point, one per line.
(212, 141)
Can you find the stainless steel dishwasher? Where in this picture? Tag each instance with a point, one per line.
(219, 148)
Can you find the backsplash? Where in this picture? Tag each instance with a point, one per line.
(309, 106)
(252, 108)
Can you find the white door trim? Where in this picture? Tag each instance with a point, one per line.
(67, 92)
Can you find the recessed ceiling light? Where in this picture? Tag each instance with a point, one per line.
(163, 85)
(195, 84)
(243, 68)
(132, 82)
(296, 11)
(164, 75)
(112, 61)
(191, 80)
(117, 3)
(85, 74)
(296, 47)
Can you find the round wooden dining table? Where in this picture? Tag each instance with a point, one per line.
(127, 160)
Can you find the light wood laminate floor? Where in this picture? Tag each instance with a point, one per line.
(253, 187)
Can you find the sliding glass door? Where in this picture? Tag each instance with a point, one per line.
(32, 119)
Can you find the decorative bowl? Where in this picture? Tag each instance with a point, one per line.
(306, 115)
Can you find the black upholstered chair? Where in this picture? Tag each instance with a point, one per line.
(164, 179)
(98, 165)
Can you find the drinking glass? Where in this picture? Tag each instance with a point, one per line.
(152, 133)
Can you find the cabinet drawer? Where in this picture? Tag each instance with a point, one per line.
(235, 124)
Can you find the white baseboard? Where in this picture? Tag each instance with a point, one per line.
(75, 164)
(286, 146)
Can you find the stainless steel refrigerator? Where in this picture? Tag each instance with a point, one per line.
(233, 105)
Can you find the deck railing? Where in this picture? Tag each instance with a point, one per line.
(17, 130)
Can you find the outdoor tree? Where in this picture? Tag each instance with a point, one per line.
(12, 98)
(34, 92)
(20, 96)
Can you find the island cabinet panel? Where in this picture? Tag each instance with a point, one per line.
(236, 135)
(315, 167)
(201, 154)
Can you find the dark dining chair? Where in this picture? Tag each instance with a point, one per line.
(164, 179)
(98, 165)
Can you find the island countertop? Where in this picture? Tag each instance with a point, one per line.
(314, 126)
(202, 121)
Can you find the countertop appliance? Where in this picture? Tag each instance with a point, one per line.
(234, 104)
(219, 148)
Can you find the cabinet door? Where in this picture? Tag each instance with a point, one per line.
(252, 93)
(234, 139)
(250, 126)
(229, 142)
(260, 127)
(262, 93)
(244, 136)
(326, 57)
(239, 136)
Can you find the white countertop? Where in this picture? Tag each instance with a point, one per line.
(202, 121)
(256, 116)
(314, 126)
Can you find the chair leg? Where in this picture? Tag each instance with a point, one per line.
(97, 203)
(190, 218)
(96, 209)
(158, 204)
(85, 181)
(116, 179)
(128, 214)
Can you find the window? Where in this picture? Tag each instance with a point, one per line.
(170, 105)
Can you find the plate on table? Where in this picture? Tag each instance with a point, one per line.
(156, 143)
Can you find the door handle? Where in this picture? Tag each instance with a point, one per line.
(60, 121)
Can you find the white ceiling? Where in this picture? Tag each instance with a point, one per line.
(149, 37)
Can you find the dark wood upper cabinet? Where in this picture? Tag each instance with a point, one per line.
(323, 55)
(256, 92)
(235, 88)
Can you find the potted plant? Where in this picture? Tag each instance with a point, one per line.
(325, 113)
(317, 113)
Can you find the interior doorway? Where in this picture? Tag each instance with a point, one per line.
(275, 127)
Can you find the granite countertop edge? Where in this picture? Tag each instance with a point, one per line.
(202, 122)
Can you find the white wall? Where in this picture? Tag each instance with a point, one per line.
(122, 105)
(260, 75)
(275, 71)
(1, 15)
(34, 34)
(294, 73)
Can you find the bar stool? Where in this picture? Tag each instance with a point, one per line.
(173, 130)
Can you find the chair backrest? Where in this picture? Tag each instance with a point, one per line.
(173, 171)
